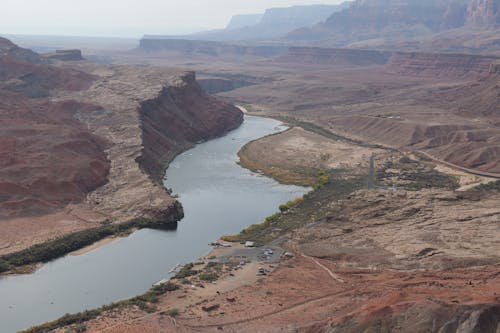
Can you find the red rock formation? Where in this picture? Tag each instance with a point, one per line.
(47, 158)
(179, 117)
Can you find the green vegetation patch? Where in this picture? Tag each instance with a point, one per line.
(144, 302)
(318, 205)
(186, 271)
(63, 245)
(493, 186)
(414, 175)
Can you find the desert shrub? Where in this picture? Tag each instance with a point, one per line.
(291, 203)
(493, 186)
(174, 312)
(406, 160)
(209, 277)
(4, 266)
(186, 270)
(322, 179)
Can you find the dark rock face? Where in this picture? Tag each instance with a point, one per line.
(178, 118)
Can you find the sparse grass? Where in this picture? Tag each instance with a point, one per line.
(315, 206)
(414, 175)
(209, 277)
(174, 312)
(186, 271)
(493, 186)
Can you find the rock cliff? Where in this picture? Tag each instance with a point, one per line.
(181, 115)
(429, 25)
(483, 13)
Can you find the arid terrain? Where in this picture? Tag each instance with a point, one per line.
(395, 260)
(393, 109)
(81, 144)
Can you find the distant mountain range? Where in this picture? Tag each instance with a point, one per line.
(411, 24)
(274, 23)
(460, 26)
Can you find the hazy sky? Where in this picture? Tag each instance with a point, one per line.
(127, 17)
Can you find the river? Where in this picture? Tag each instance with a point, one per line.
(219, 197)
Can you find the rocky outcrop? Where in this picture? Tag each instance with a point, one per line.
(207, 48)
(178, 117)
(483, 13)
(26, 72)
(324, 56)
(9, 50)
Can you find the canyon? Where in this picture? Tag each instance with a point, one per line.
(81, 145)
(393, 116)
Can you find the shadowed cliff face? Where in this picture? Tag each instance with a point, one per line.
(179, 117)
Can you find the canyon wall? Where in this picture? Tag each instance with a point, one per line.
(325, 56)
(178, 117)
